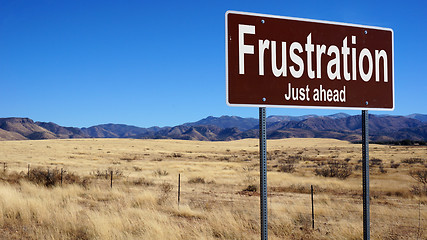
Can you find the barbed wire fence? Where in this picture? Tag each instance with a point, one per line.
(328, 215)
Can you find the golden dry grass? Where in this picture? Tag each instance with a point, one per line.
(143, 201)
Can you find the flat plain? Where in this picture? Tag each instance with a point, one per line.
(219, 189)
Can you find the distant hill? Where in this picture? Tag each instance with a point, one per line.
(227, 122)
(275, 118)
(63, 132)
(23, 128)
(117, 131)
(421, 117)
(349, 128)
(7, 135)
(338, 126)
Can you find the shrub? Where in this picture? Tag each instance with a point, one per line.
(160, 173)
(165, 189)
(106, 173)
(419, 190)
(129, 158)
(42, 177)
(394, 165)
(251, 188)
(70, 178)
(12, 177)
(85, 182)
(49, 177)
(100, 173)
(287, 168)
(137, 169)
(419, 175)
(196, 180)
(142, 182)
(294, 158)
(382, 170)
(375, 161)
(413, 160)
(335, 168)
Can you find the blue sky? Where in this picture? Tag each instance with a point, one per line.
(148, 63)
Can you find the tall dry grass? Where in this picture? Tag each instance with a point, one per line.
(73, 212)
(143, 201)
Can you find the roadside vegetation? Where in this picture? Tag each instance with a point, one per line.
(61, 189)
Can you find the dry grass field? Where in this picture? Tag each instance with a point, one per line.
(219, 189)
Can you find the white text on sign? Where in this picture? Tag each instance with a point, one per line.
(344, 54)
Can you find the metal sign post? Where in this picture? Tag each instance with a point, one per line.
(263, 172)
(365, 174)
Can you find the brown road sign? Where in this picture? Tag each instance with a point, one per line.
(275, 61)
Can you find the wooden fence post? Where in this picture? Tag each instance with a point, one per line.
(312, 207)
(111, 183)
(179, 188)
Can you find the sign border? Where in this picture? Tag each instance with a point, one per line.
(304, 20)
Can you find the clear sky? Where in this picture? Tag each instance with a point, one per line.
(162, 63)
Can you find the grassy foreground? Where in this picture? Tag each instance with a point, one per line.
(219, 190)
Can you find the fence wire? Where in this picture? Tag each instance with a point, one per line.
(337, 204)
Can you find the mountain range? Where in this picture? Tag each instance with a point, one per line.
(382, 128)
